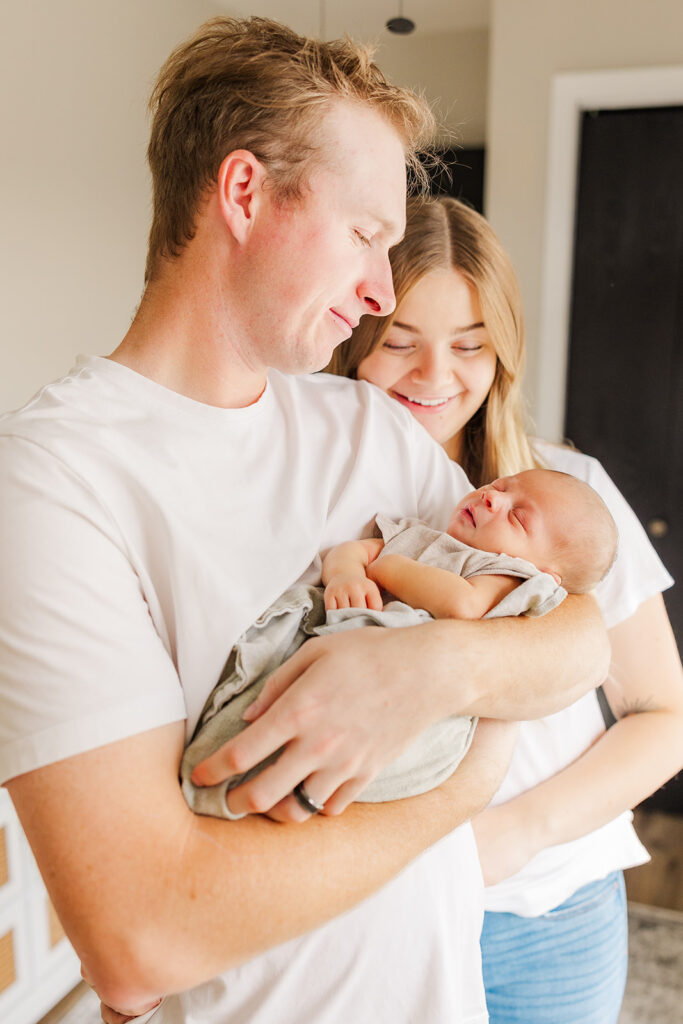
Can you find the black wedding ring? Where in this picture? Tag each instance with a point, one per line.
(305, 801)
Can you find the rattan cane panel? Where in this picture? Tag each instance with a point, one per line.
(8, 971)
(55, 931)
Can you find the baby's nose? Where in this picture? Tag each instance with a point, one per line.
(492, 498)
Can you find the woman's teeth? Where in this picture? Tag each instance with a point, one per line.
(428, 401)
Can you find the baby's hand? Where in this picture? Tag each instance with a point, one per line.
(352, 591)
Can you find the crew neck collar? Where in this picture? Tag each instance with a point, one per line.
(149, 390)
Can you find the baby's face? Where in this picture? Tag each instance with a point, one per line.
(521, 515)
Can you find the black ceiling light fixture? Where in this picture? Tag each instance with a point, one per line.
(401, 26)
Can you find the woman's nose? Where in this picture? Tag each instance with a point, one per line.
(433, 367)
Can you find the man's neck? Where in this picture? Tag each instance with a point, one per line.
(181, 338)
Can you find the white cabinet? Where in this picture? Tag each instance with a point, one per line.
(37, 963)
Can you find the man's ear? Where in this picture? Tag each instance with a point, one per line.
(240, 180)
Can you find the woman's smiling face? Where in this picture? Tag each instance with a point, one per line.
(436, 358)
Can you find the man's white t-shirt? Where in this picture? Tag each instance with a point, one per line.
(142, 532)
(548, 745)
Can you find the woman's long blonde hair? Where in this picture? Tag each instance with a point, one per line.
(442, 234)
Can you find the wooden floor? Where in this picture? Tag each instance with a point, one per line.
(659, 883)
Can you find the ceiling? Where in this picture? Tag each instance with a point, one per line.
(365, 19)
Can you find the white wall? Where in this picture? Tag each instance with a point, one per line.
(530, 41)
(451, 69)
(74, 81)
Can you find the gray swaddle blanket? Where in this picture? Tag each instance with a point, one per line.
(300, 614)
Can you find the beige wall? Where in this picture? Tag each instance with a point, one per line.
(451, 69)
(530, 41)
(74, 80)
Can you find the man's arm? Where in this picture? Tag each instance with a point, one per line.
(344, 706)
(156, 899)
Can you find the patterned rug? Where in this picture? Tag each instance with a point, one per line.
(654, 990)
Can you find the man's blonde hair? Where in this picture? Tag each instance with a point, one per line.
(255, 84)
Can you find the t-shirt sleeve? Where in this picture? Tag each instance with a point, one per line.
(638, 572)
(81, 663)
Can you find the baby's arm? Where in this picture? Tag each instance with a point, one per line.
(444, 594)
(345, 575)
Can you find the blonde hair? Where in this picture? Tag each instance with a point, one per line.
(255, 84)
(442, 234)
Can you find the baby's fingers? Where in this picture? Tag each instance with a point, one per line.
(373, 597)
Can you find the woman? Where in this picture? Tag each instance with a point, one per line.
(558, 834)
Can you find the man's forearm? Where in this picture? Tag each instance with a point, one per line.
(520, 668)
(155, 899)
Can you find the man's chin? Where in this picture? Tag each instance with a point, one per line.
(308, 362)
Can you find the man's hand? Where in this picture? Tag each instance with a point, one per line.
(342, 708)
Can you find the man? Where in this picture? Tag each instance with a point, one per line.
(157, 501)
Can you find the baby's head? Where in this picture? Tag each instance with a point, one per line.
(551, 519)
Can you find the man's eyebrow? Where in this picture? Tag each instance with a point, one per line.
(416, 330)
(390, 228)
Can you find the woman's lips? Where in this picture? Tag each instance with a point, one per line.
(423, 405)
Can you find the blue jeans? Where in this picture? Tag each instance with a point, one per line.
(565, 967)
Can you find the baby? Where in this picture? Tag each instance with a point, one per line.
(552, 520)
(557, 536)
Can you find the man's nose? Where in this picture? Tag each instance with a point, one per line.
(377, 290)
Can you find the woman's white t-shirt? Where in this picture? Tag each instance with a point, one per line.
(548, 745)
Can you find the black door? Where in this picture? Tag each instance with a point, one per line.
(625, 373)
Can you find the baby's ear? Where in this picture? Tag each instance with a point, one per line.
(556, 576)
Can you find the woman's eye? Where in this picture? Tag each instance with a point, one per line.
(394, 346)
(467, 350)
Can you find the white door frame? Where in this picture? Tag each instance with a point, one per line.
(571, 94)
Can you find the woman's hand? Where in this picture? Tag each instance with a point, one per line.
(506, 841)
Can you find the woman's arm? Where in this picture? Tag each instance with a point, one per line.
(631, 760)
